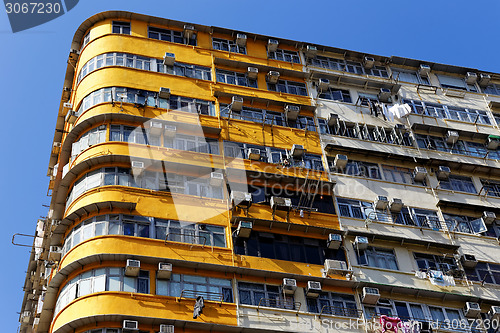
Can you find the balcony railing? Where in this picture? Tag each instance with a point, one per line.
(340, 311)
(278, 303)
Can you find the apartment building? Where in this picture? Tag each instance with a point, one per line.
(212, 180)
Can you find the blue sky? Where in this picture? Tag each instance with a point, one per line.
(33, 63)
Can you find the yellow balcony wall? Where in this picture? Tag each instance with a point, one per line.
(140, 305)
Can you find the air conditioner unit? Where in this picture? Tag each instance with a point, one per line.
(56, 147)
(361, 243)
(289, 286)
(169, 59)
(167, 328)
(419, 173)
(370, 295)
(272, 45)
(130, 326)
(216, 179)
(155, 128)
(237, 103)
(25, 317)
(292, 112)
(244, 229)
(189, 31)
(484, 79)
(395, 205)
(252, 73)
(164, 93)
(137, 167)
(472, 309)
(424, 70)
(279, 203)
(68, 105)
(253, 154)
(492, 142)
(368, 62)
(70, 117)
(164, 270)
(133, 267)
(489, 217)
(55, 223)
(384, 95)
(241, 40)
(311, 51)
(443, 172)
(340, 161)
(297, 151)
(170, 131)
(335, 266)
(381, 202)
(468, 260)
(470, 77)
(494, 313)
(313, 288)
(333, 119)
(241, 198)
(323, 84)
(273, 76)
(334, 241)
(55, 253)
(451, 137)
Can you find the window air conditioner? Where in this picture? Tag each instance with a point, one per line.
(241, 198)
(170, 131)
(130, 326)
(289, 286)
(381, 202)
(169, 59)
(25, 317)
(368, 62)
(55, 253)
(370, 295)
(252, 73)
(244, 229)
(164, 270)
(241, 40)
(313, 288)
(279, 203)
(272, 45)
(443, 172)
(237, 103)
(292, 112)
(384, 95)
(335, 266)
(253, 154)
(468, 260)
(137, 167)
(273, 76)
(323, 84)
(155, 128)
(361, 243)
(68, 105)
(70, 117)
(492, 142)
(189, 31)
(470, 77)
(472, 309)
(424, 70)
(340, 161)
(216, 179)
(167, 328)
(489, 217)
(333, 119)
(419, 173)
(451, 137)
(56, 147)
(164, 93)
(311, 51)
(297, 151)
(395, 205)
(133, 267)
(484, 79)
(334, 241)
(494, 313)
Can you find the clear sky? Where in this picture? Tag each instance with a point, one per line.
(33, 63)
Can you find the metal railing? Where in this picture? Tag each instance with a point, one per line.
(416, 325)
(182, 238)
(279, 304)
(340, 311)
(208, 295)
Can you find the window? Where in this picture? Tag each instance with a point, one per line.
(86, 40)
(492, 89)
(435, 262)
(491, 187)
(458, 183)
(400, 175)
(455, 82)
(333, 304)
(409, 76)
(289, 87)
(240, 79)
(448, 112)
(120, 27)
(190, 286)
(379, 71)
(360, 169)
(285, 55)
(487, 272)
(88, 139)
(228, 45)
(377, 257)
(354, 208)
(461, 147)
(170, 36)
(290, 248)
(264, 295)
(418, 217)
(466, 224)
(192, 71)
(193, 233)
(337, 95)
